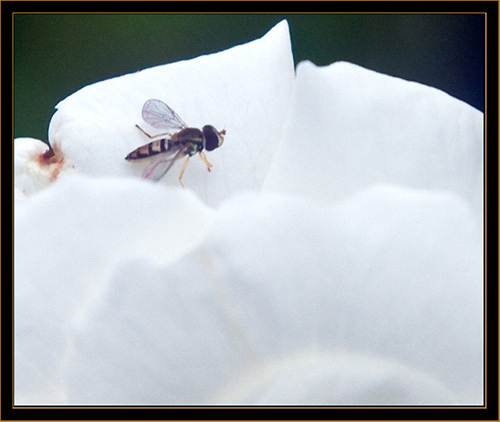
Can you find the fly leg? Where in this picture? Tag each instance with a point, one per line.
(151, 136)
(183, 169)
(204, 159)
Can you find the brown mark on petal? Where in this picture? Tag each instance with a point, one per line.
(53, 161)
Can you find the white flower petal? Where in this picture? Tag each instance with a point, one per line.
(278, 287)
(381, 283)
(156, 337)
(246, 90)
(67, 240)
(336, 378)
(351, 127)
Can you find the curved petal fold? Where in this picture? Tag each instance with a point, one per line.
(351, 127)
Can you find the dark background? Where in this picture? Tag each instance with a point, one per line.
(57, 54)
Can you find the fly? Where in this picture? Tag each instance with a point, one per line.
(179, 141)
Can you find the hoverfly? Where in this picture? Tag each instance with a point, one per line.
(179, 141)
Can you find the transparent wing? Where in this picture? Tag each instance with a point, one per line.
(163, 162)
(160, 115)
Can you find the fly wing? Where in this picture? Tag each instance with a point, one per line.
(163, 162)
(160, 115)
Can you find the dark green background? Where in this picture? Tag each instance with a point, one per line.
(57, 54)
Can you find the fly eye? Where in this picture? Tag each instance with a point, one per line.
(212, 138)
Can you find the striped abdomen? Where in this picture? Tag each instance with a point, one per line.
(190, 137)
(148, 150)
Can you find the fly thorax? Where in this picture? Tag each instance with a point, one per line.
(190, 134)
(191, 137)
